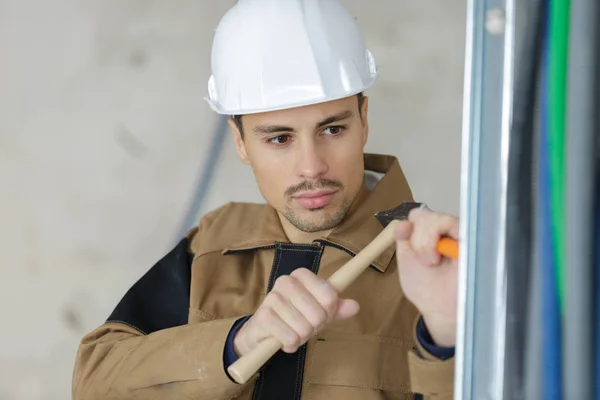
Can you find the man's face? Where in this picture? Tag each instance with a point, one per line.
(308, 161)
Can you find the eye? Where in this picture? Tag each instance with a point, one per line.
(279, 140)
(334, 130)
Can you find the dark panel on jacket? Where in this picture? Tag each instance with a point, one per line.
(161, 298)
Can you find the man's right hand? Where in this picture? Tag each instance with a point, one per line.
(299, 305)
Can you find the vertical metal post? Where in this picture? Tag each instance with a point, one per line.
(486, 133)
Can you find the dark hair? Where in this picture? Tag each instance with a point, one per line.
(237, 119)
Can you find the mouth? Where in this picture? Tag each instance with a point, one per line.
(315, 199)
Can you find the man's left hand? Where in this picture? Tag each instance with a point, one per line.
(429, 280)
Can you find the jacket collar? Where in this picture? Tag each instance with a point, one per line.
(359, 227)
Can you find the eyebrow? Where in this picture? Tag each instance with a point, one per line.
(269, 129)
(335, 118)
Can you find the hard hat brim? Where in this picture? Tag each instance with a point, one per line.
(215, 106)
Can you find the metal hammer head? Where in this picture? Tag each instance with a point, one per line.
(400, 212)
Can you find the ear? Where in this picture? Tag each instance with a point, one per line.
(240, 146)
(364, 112)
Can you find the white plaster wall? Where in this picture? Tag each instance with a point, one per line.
(103, 132)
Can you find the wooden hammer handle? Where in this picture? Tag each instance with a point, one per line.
(247, 365)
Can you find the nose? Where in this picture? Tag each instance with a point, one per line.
(311, 163)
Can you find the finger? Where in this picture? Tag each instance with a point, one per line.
(428, 257)
(272, 323)
(450, 226)
(445, 224)
(292, 318)
(404, 249)
(347, 308)
(403, 230)
(425, 236)
(320, 290)
(304, 302)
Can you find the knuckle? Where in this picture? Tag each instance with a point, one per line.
(281, 282)
(285, 283)
(274, 299)
(267, 316)
(292, 340)
(300, 272)
(319, 318)
(305, 332)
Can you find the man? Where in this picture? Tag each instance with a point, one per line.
(291, 74)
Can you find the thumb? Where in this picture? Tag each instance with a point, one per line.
(346, 308)
(404, 230)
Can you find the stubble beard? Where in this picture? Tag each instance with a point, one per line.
(322, 221)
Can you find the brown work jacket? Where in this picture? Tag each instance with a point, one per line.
(166, 338)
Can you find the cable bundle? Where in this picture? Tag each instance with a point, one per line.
(567, 234)
(551, 191)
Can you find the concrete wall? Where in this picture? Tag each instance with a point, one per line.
(103, 134)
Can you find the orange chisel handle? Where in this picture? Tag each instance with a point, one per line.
(448, 247)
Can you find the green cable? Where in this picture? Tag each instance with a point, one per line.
(559, 39)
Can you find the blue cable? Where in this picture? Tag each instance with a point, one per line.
(551, 345)
(208, 172)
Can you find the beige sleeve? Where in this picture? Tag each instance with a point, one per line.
(118, 362)
(429, 376)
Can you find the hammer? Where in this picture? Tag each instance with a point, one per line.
(246, 366)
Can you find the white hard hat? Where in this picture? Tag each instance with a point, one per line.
(274, 54)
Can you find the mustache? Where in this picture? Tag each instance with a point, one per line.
(320, 184)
